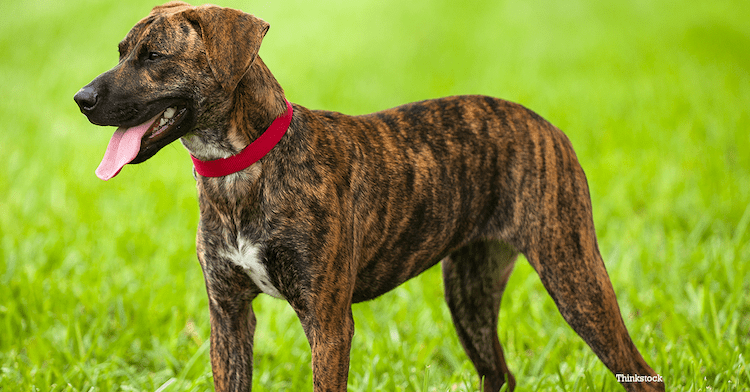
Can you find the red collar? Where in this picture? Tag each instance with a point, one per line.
(250, 154)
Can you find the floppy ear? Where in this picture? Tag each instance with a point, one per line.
(232, 39)
(172, 6)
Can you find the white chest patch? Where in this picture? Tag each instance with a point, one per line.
(247, 256)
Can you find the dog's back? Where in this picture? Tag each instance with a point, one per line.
(429, 177)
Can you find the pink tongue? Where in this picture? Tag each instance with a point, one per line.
(122, 148)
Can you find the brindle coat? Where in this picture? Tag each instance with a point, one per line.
(346, 208)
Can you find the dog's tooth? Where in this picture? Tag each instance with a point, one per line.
(169, 113)
(162, 122)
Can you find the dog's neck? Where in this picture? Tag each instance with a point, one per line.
(252, 107)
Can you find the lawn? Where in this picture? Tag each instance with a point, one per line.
(100, 289)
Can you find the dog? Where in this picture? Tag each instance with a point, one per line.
(325, 210)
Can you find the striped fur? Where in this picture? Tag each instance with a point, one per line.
(346, 208)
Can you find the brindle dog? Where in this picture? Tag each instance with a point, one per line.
(346, 208)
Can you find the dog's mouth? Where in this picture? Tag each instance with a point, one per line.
(166, 120)
(164, 129)
(139, 143)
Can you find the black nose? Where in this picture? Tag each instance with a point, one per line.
(86, 98)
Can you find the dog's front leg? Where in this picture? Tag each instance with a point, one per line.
(230, 293)
(326, 318)
(331, 345)
(232, 330)
(330, 356)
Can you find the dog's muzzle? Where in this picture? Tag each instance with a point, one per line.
(86, 98)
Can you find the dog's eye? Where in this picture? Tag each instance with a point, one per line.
(153, 56)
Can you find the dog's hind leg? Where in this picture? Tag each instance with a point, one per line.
(557, 237)
(583, 293)
(475, 277)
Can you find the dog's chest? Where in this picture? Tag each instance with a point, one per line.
(249, 256)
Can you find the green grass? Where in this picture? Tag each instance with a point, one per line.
(100, 288)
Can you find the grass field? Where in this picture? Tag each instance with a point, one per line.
(100, 289)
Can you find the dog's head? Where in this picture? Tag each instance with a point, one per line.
(169, 62)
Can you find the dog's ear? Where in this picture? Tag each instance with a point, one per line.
(232, 39)
(172, 6)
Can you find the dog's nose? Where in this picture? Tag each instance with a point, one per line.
(86, 98)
